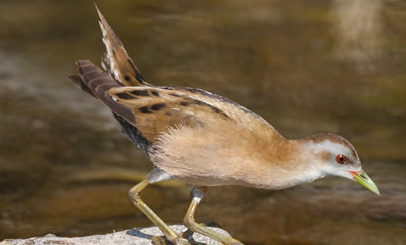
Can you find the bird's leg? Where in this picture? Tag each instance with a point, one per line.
(134, 195)
(189, 220)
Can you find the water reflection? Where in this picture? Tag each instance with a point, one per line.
(65, 169)
(359, 31)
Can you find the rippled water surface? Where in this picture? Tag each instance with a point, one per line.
(305, 66)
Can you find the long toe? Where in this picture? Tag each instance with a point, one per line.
(161, 240)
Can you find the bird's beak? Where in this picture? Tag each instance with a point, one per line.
(364, 180)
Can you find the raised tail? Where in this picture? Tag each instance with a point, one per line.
(116, 60)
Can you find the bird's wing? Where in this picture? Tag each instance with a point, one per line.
(153, 110)
(156, 109)
(116, 60)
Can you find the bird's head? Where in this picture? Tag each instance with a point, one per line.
(334, 155)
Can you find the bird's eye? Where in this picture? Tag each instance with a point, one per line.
(341, 159)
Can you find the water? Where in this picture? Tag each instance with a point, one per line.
(320, 66)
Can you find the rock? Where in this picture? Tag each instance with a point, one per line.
(136, 236)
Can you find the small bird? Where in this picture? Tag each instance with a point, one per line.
(206, 140)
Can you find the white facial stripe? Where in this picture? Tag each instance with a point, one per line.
(332, 167)
(332, 147)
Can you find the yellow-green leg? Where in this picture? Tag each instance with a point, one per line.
(134, 195)
(189, 221)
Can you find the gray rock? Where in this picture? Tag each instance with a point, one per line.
(136, 236)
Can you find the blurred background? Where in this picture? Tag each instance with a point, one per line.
(305, 66)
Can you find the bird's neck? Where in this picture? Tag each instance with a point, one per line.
(290, 163)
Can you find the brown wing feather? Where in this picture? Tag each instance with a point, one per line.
(152, 110)
(116, 60)
(158, 109)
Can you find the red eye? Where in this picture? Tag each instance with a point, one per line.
(341, 159)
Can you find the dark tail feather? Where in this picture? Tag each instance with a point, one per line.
(90, 77)
(78, 83)
(95, 82)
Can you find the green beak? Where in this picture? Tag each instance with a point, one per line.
(364, 180)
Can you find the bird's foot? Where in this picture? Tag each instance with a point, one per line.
(161, 240)
(185, 238)
(188, 233)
